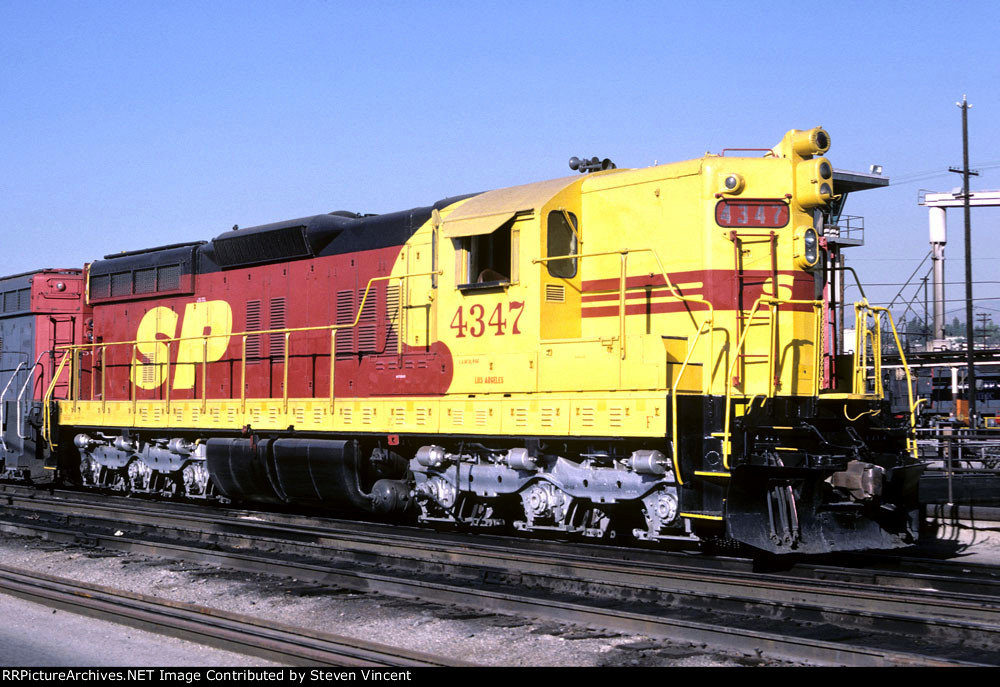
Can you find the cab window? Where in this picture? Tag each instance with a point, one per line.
(488, 257)
(561, 240)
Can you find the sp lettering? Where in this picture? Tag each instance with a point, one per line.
(205, 328)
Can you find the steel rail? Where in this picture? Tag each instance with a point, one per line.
(352, 537)
(917, 596)
(717, 589)
(243, 634)
(720, 637)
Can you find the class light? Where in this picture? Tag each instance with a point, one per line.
(806, 248)
(811, 245)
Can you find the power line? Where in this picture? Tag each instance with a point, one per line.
(947, 300)
(930, 174)
(977, 282)
(853, 260)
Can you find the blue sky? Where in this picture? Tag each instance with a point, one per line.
(132, 124)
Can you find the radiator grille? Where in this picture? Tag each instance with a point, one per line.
(145, 280)
(284, 243)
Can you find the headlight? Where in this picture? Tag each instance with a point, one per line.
(733, 183)
(809, 142)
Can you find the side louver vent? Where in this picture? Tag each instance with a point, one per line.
(555, 293)
(392, 318)
(278, 321)
(16, 300)
(345, 316)
(366, 324)
(253, 325)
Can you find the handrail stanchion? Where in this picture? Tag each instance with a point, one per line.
(3, 402)
(243, 376)
(284, 382)
(46, 405)
(104, 374)
(166, 377)
(709, 321)
(204, 374)
(133, 393)
(333, 359)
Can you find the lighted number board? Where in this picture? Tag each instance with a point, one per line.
(751, 213)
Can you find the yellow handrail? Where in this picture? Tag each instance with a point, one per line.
(673, 404)
(862, 339)
(243, 374)
(284, 330)
(708, 322)
(46, 404)
(911, 439)
(72, 349)
(774, 303)
(625, 251)
(333, 351)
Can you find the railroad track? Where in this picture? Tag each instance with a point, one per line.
(269, 640)
(811, 613)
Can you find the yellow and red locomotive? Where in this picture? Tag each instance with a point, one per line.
(633, 351)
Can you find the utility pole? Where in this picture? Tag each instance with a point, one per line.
(983, 317)
(924, 329)
(969, 324)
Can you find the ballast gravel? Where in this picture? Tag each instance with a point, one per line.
(474, 637)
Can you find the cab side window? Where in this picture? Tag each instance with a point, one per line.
(488, 258)
(561, 240)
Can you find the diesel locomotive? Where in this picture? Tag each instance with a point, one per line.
(647, 353)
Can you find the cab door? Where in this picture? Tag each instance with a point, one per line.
(567, 360)
(560, 280)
